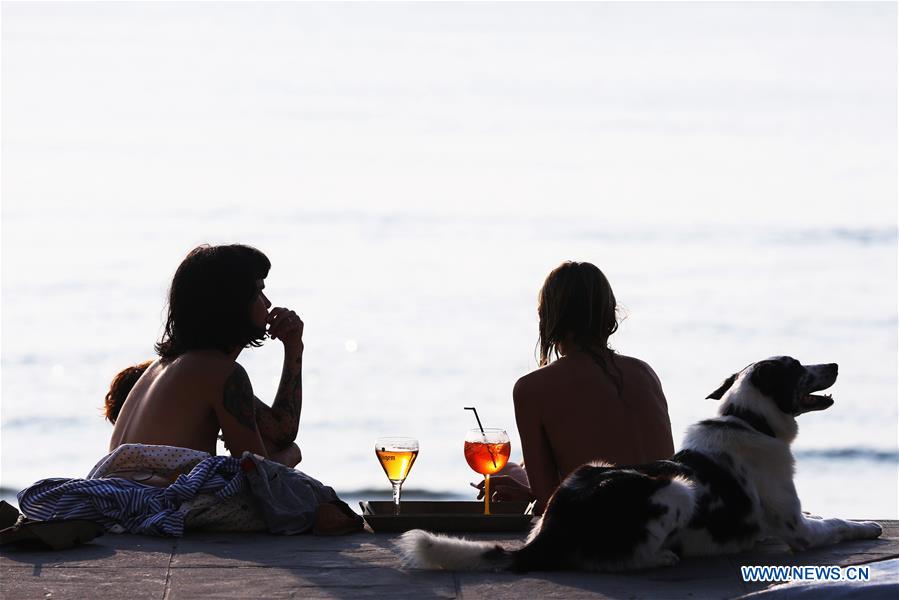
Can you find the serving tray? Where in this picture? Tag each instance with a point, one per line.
(445, 516)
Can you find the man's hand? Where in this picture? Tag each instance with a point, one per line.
(285, 325)
(504, 488)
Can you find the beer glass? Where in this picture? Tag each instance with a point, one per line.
(396, 455)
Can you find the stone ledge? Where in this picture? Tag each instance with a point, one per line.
(364, 566)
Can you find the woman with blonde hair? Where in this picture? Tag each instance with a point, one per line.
(585, 402)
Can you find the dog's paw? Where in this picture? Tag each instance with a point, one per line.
(664, 558)
(871, 530)
(669, 558)
(798, 544)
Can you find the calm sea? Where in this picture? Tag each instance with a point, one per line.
(414, 170)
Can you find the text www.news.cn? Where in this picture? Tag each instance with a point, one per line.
(805, 573)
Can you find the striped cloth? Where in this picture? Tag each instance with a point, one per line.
(135, 507)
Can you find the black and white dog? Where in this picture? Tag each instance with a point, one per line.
(730, 486)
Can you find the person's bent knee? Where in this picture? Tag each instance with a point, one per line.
(289, 456)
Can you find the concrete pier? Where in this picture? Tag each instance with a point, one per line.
(211, 565)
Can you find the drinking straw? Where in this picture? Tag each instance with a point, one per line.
(489, 450)
(473, 409)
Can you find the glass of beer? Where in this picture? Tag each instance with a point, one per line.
(396, 454)
(487, 451)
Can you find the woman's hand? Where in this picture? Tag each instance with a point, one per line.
(504, 488)
(286, 325)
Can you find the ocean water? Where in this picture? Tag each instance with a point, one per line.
(414, 171)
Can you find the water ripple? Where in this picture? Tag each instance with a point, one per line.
(868, 454)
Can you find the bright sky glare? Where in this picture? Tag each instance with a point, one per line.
(673, 112)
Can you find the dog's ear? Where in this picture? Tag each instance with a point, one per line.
(716, 395)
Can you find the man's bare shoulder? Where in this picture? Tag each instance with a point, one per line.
(228, 380)
(203, 359)
(202, 367)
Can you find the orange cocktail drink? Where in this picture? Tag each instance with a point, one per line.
(486, 458)
(487, 452)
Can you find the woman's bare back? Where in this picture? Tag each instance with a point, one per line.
(569, 413)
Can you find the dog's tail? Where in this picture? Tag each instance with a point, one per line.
(422, 550)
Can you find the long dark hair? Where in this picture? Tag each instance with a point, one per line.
(576, 305)
(210, 299)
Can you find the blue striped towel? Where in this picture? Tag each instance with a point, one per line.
(135, 507)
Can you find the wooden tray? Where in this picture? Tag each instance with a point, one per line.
(445, 516)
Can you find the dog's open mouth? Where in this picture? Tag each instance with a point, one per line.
(812, 402)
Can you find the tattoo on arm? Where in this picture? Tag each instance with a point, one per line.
(238, 398)
(280, 423)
